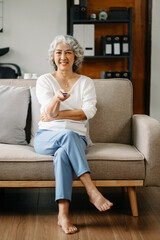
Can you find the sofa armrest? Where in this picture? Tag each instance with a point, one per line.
(146, 138)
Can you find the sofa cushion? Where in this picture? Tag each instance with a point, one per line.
(13, 111)
(113, 151)
(106, 161)
(109, 161)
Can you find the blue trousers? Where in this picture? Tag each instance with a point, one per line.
(68, 149)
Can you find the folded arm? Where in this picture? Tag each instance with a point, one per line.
(50, 103)
(76, 115)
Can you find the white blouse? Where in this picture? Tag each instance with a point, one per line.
(82, 96)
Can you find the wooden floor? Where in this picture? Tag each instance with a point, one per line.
(31, 214)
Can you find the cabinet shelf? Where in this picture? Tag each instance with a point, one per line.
(101, 21)
(107, 56)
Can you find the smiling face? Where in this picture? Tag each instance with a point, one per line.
(64, 57)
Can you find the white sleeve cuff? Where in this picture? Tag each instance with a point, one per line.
(89, 111)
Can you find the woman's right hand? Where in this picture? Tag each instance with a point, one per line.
(53, 108)
(59, 95)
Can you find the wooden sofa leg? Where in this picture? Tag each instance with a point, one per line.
(133, 201)
(124, 189)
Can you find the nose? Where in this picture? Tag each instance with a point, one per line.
(63, 56)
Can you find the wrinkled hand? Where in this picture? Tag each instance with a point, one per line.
(60, 96)
(45, 117)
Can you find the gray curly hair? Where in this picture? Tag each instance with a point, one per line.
(75, 46)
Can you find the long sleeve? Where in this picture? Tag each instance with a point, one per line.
(89, 99)
(44, 92)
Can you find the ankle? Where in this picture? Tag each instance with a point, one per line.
(63, 215)
(63, 209)
(92, 189)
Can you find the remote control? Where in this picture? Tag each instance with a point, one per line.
(65, 94)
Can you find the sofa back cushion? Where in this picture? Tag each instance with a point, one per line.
(13, 111)
(22, 83)
(112, 122)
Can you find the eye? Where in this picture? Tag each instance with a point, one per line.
(58, 52)
(68, 52)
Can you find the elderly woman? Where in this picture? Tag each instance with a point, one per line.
(67, 101)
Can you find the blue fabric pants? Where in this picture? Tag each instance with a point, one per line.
(68, 149)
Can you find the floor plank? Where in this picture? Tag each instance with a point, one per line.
(27, 214)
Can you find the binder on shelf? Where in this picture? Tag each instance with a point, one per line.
(118, 13)
(108, 74)
(83, 13)
(79, 12)
(83, 3)
(116, 45)
(76, 12)
(85, 34)
(107, 45)
(117, 74)
(125, 45)
(125, 74)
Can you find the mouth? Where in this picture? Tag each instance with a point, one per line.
(63, 63)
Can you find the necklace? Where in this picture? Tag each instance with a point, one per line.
(66, 85)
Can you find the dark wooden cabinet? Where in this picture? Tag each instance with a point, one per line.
(98, 45)
(140, 47)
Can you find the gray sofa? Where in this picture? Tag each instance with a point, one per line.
(126, 150)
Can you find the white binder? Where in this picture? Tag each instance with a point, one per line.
(85, 34)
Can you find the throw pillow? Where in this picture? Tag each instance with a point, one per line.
(13, 111)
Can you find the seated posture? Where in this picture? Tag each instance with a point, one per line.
(67, 101)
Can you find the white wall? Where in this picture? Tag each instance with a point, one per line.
(29, 28)
(155, 62)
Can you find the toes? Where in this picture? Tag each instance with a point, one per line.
(106, 206)
(110, 204)
(71, 230)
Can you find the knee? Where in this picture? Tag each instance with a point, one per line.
(60, 156)
(70, 134)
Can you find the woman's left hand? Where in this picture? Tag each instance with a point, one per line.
(45, 117)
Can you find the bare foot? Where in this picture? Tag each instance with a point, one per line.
(101, 203)
(66, 225)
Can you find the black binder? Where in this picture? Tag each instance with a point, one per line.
(125, 45)
(117, 45)
(107, 45)
(83, 3)
(125, 74)
(117, 74)
(76, 12)
(83, 13)
(108, 74)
